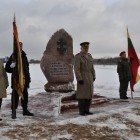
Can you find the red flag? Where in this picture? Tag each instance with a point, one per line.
(134, 63)
(18, 70)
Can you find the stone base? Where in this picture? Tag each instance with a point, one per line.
(69, 102)
(59, 87)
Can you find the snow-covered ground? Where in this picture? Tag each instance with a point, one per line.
(106, 83)
(118, 119)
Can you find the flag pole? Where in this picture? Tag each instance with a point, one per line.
(131, 70)
(13, 93)
(131, 83)
(131, 94)
(131, 89)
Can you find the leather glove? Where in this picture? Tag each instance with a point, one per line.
(13, 65)
(81, 82)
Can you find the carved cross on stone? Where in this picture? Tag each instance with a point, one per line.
(62, 49)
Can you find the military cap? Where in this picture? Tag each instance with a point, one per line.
(84, 44)
(122, 53)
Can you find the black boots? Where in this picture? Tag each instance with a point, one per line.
(84, 105)
(88, 113)
(0, 102)
(82, 114)
(27, 113)
(0, 107)
(81, 104)
(88, 102)
(123, 97)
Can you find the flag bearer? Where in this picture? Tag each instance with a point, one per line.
(9, 68)
(124, 72)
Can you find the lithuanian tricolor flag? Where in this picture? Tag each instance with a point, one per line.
(134, 63)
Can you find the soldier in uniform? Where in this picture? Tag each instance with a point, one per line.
(85, 75)
(124, 72)
(9, 68)
(3, 83)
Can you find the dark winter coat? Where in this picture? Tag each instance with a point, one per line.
(84, 70)
(123, 70)
(25, 69)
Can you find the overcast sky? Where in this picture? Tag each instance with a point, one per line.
(101, 22)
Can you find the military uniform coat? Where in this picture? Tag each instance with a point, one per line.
(84, 70)
(123, 70)
(3, 81)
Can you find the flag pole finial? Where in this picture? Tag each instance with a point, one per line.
(14, 17)
(128, 36)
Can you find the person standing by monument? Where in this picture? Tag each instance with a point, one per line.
(15, 97)
(124, 72)
(3, 83)
(85, 75)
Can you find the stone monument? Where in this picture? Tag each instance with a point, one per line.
(57, 62)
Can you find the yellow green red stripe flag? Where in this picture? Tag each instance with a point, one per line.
(134, 63)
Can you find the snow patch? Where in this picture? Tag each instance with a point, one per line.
(65, 136)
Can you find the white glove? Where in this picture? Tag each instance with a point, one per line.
(13, 65)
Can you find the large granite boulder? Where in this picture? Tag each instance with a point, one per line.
(57, 62)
